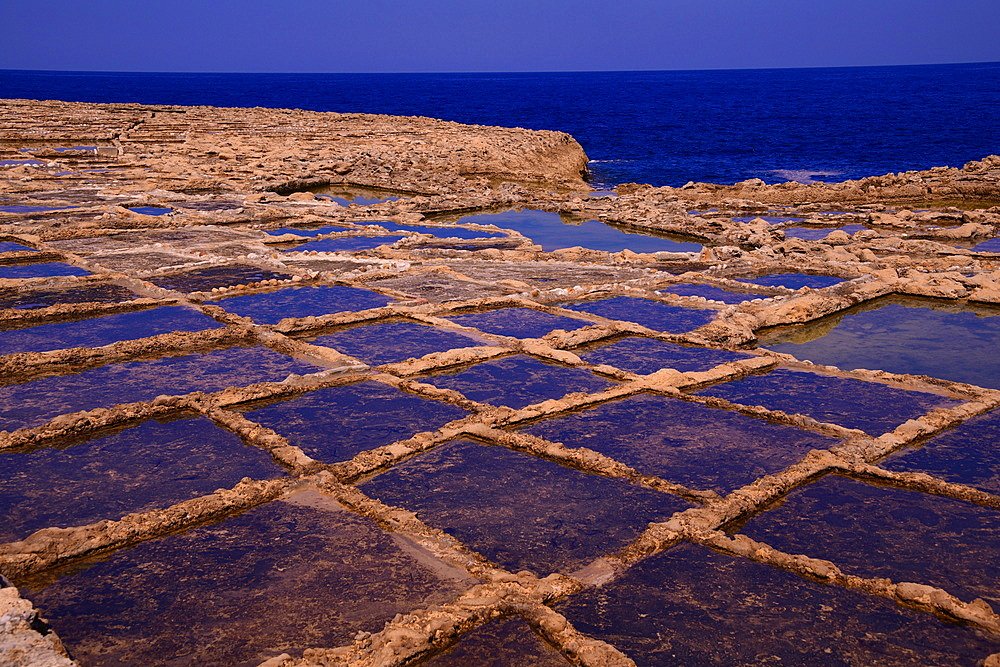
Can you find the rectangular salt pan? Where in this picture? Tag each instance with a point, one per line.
(36, 402)
(873, 531)
(336, 423)
(288, 575)
(153, 465)
(517, 381)
(683, 442)
(271, 307)
(869, 406)
(693, 606)
(520, 511)
(99, 331)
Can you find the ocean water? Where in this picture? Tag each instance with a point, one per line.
(663, 128)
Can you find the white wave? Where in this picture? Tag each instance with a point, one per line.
(802, 175)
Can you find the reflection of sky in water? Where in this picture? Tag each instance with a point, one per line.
(40, 270)
(303, 560)
(38, 401)
(345, 244)
(549, 231)
(518, 322)
(815, 234)
(304, 232)
(11, 246)
(32, 209)
(361, 201)
(40, 298)
(99, 331)
(150, 210)
(647, 355)
(711, 292)
(793, 280)
(900, 338)
(270, 307)
(992, 245)
(389, 342)
(771, 220)
(440, 232)
(336, 423)
(653, 314)
(517, 381)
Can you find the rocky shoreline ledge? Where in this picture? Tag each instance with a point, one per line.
(125, 211)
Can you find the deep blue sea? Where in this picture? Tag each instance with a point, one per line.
(664, 128)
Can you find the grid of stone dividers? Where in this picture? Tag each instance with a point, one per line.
(853, 457)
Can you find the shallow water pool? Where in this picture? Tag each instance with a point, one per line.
(552, 232)
(899, 335)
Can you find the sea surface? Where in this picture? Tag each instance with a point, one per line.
(664, 128)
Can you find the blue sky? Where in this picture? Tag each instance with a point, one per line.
(502, 35)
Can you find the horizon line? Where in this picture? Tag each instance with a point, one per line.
(480, 72)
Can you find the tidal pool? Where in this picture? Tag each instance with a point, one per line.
(518, 322)
(869, 406)
(552, 232)
(874, 531)
(521, 512)
(713, 293)
(794, 280)
(42, 298)
(769, 219)
(34, 403)
(100, 331)
(336, 423)
(819, 233)
(991, 245)
(693, 606)
(292, 574)
(683, 442)
(517, 381)
(345, 195)
(204, 280)
(271, 307)
(915, 336)
(155, 464)
(389, 342)
(648, 355)
(967, 454)
(653, 314)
